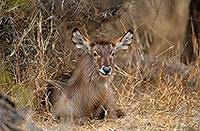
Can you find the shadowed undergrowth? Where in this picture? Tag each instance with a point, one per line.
(154, 93)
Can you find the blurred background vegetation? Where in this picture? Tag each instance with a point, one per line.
(36, 47)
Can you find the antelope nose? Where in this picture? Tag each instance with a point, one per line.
(107, 70)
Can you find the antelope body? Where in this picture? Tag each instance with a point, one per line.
(87, 94)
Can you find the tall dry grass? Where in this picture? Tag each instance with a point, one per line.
(154, 93)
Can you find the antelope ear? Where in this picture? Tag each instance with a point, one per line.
(80, 41)
(124, 41)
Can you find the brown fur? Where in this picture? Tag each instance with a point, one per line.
(88, 93)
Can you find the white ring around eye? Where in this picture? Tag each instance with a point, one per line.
(95, 53)
(112, 53)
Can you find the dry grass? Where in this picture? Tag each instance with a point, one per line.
(155, 94)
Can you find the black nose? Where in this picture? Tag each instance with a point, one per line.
(107, 70)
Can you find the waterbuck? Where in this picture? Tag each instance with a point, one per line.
(87, 93)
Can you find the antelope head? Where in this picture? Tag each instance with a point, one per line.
(102, 52)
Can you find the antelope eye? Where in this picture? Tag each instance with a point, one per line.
(112, 53)
(95, 53)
